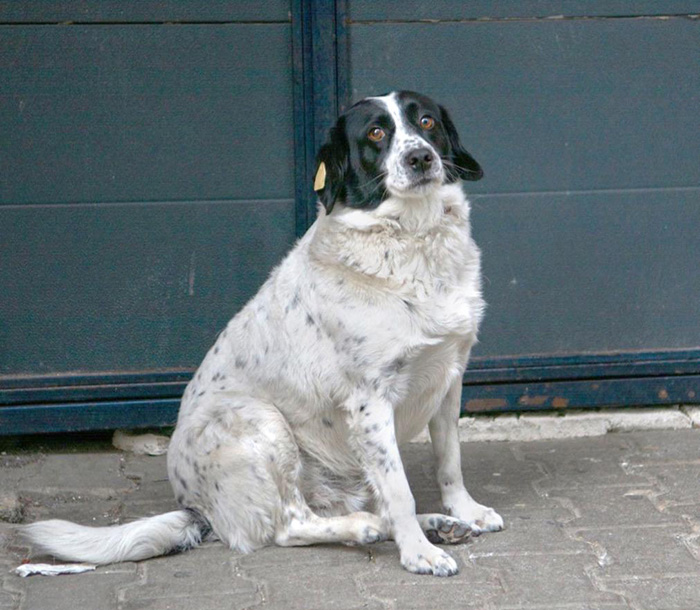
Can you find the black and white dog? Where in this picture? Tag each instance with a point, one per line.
(289, 432)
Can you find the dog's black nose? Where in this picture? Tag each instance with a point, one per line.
(419, 159)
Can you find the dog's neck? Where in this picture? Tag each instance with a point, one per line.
(401, 237)
(414, 214)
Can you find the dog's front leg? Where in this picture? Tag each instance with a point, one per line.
(372, 429)
(456, 501)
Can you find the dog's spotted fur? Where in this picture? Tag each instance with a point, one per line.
(289, 431)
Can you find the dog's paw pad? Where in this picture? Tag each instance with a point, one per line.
(448, 530)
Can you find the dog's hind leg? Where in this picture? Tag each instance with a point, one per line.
(304, 528)
(236, 462)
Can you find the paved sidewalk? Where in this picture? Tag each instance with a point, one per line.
(607, 523)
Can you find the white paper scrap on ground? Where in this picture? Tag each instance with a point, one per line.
(30, 569)
(141, 444)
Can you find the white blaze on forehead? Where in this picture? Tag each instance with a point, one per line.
(390, 102)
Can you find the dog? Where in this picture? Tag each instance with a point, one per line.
(289, 431)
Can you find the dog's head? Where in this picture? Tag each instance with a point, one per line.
(400, 144)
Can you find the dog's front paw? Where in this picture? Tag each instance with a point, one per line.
(430, 561)
(480, 518)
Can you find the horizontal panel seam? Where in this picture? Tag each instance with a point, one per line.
(547, 18)
(180, 202)
(660, 189)
(123, 23)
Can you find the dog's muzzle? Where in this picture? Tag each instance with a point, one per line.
(422, 165)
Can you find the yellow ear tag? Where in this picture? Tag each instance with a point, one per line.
(320, 179)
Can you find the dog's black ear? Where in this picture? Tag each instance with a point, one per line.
(332, 164)
(463, 166)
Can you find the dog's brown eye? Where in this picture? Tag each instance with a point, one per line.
(427, 122)
(376, 134)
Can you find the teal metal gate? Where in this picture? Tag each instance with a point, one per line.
(156, 162)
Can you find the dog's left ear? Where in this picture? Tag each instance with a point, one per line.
(464, 165)
(332, 168)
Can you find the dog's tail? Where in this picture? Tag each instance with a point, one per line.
(149, 537)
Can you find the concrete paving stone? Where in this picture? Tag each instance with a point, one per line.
(602, 507)
(145, 468)
(11, 508)
(97, 475)
(88, 591)
(15, 468)
(546, 579)
(645, 551)
(527, 530)
(664, 446)
(585, 518)
(678, 484)
(153, 494)
(320, 578)
(201, 578)
(582, 462)
(81, 509)
(671, 592)
(9, 600)
(9, 595)
(578, 606)
(271, 557)
(387, 582)
(132, 510)
(491, 475)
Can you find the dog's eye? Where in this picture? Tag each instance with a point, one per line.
(427, 122)
(376, 134)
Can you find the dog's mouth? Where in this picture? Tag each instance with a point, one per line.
(424, 183)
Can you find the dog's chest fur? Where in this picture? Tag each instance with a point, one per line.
(359, 305)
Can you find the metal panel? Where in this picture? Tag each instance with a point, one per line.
(553, 105)
(129, 287)
(145, 113)
(589, 272)
(413, 10)
(140, 11)
(147, 190)
(586, 130)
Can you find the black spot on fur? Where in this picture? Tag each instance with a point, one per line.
(240, 363)
(327, 422)
(216, 349)
(309, 320)
(363, 406)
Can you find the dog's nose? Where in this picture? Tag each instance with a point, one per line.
(419, 159)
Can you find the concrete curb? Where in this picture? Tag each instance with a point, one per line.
(572, 424)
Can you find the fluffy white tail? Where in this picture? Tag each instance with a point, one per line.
(149, 537)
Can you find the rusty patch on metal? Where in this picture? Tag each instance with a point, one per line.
(559, 402)
(485, 404)
(663, 394)
(532, 401)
